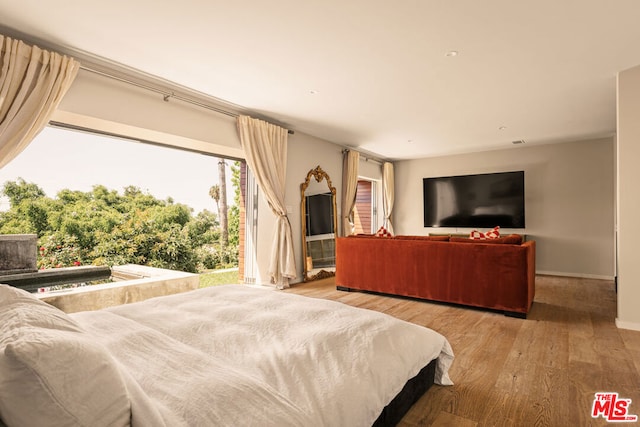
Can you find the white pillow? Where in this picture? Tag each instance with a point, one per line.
(51, 372)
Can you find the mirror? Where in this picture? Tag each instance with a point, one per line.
(319, 225)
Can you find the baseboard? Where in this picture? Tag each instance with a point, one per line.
(623, 324)
(578, 275)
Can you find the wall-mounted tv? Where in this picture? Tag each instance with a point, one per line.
(474, 201)
(319, 214)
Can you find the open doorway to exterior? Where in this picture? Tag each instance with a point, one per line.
(97, 199)
(365, 211)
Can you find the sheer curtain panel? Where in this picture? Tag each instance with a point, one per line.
(387, 194)
(265, 148)
(350, 162)
(32, 84)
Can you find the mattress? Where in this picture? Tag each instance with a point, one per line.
(241, 355)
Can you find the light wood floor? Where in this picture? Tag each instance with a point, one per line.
(542, 371)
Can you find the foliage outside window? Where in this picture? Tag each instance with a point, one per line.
(104, 227)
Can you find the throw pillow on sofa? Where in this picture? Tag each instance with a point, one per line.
(383, 232)
(494, 233)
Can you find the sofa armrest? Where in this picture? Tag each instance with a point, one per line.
(530, 245)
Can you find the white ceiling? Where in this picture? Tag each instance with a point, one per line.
(373, 74)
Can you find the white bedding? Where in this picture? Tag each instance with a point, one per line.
(238, 355)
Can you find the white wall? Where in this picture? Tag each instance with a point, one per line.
(304, 154)
(628, 153)
(569, 201)
(104, 104)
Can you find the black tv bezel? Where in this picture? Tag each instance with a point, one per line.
(521, 225)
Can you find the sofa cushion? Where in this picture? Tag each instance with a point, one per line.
(430, 238)
(512, 239)
(51, 371)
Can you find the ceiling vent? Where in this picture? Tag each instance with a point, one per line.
(519, 141)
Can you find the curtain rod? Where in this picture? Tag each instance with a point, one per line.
(83, 57)
(166, 96)
(364, 156)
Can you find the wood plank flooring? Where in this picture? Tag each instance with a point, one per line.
(542, 371)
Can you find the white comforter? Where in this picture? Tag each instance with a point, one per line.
(237, 355)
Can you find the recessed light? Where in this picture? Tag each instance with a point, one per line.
(313, 92)
(502, 128)
(451, 53)
(410, 141)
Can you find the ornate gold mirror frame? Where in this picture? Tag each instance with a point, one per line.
(324, 265)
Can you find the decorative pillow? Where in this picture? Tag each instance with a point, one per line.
(494, 233)
(383, 232)
(51, 372)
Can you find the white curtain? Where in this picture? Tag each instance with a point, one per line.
(350, 162)
(265, 148)
(387, 194)
(32, 84)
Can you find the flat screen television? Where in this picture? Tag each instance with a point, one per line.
(475, 201)
(319, 214)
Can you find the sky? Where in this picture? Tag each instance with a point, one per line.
(58, 158)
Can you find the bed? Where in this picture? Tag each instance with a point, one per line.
(227, 355)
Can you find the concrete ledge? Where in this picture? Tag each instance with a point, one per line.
(151, 282)
(55, 276)
(18, 253)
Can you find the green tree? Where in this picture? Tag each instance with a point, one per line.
(214, 193)
(103, 227)
(165, 217)
(29, 208)
(174, 250)
(223, 211)
(234, 210)
(105, 197)
(20, 190)
(203, 229)
(136, 199)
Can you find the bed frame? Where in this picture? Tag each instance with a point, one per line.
(400, 405)
(412, 391)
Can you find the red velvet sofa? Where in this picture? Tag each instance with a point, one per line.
(497, 274)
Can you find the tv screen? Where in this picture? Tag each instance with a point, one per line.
(482, 200)
(319, 212)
